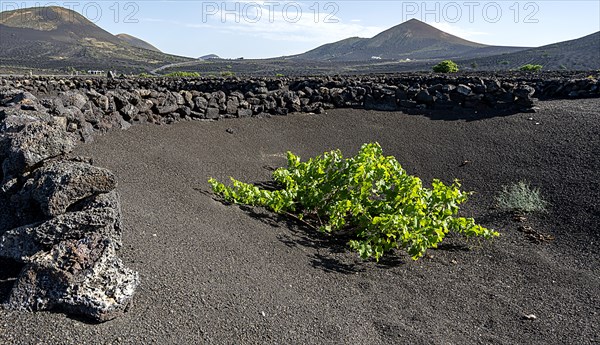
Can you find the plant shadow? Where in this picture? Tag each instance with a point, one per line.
(334, 265)
(390, 261)
(330, 249)
(453, 247)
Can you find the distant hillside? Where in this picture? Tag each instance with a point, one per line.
(412, 39)
(58, 38)
(340, 50)
(136, 42)
(579, 54)
(209, 57)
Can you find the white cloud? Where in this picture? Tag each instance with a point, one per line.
(299, 24)
(273, 29)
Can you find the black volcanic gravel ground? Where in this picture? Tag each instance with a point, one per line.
(220, 274)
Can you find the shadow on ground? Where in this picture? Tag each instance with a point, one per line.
(463, 114)
(9, 270)
(328, 247)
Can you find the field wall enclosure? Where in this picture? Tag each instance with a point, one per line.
(60, 218)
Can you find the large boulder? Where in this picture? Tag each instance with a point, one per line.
(523, 94)
(22, 243)
(82, 277)
(36, 142)
(73, 98)
(387, 102)
(167, 104)
(523, 91)
(7, 95)
(463, 90)
(26, 101)
(58, 185)
(14, 119)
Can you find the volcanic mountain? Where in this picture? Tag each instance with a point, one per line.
(61, 39)
(578, 54)
(412, 39)
(136, 42)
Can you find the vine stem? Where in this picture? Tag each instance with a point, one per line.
(301, 220)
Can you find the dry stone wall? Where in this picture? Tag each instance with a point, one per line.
(102, 104)
(60, 216)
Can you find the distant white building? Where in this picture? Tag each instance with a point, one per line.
(376, 57)
(95, 72)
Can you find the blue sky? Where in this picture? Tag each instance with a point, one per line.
(259, 29)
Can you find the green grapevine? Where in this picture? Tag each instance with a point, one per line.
(369, 194)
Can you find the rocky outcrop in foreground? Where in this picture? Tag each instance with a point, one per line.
(60, 216)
